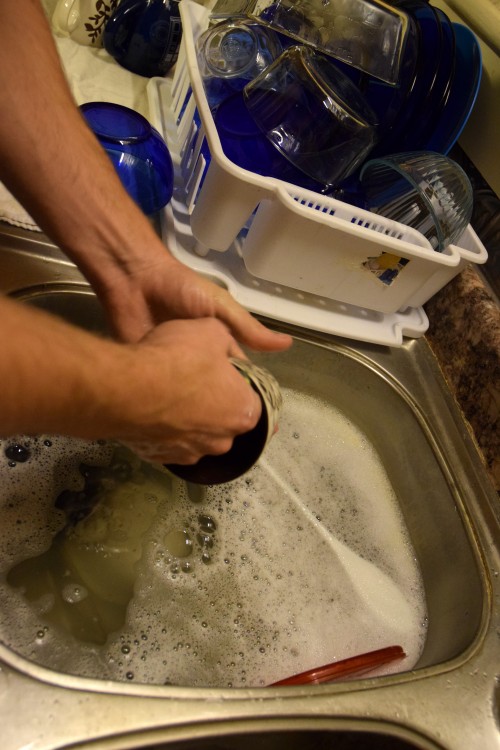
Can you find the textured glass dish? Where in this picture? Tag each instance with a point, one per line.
(423, 189)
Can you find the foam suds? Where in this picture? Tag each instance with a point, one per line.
(136, 576)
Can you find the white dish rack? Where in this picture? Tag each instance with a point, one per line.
(282, 251)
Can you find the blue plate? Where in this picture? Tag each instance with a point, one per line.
(433, 104)
(388, 101)
(429, 57)
(246, 145)
(463, 92)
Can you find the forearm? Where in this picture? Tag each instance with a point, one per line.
(58, 379)
(52, 162)
(54, 165)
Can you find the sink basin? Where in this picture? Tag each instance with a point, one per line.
(446, 699)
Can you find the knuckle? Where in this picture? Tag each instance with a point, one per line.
(222, 446)
(249, 420)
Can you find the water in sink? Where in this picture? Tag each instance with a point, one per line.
(304, 561)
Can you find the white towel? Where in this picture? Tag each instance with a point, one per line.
(13, 213)
(93, 75)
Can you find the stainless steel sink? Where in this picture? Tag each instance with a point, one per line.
(449, 701)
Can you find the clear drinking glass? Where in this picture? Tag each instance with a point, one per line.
(232, 53)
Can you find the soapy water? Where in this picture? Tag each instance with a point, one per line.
(112, 568)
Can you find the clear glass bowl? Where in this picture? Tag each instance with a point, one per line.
(422, 189)
(313, 114)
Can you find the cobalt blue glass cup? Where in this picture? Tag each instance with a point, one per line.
(144, 36)
(138, 153)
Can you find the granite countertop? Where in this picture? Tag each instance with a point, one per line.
(464, 333)
(464, 329)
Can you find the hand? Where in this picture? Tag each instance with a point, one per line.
(72, 191)
(179, 390)
(185, 398)
(155, 287)
(173, 397)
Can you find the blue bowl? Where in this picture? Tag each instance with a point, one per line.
(138, 153)
(144, 36)
(247, 146)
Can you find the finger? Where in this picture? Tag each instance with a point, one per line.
(234, 350)
(247, 329)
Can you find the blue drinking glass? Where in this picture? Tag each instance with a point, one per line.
(138, 152)
(144, 35)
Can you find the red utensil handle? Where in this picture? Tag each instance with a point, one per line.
(346, 667)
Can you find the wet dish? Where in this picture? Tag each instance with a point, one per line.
(137, 151)
(463, 91)
(433, 104)
(429, 59)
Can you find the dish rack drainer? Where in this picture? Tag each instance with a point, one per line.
(285, 252)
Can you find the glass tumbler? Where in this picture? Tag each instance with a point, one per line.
(137, 151)
(232, 53)
(246, 448)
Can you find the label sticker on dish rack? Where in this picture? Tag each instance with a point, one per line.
(386, 266)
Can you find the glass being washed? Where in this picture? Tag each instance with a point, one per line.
(313, 114)
(423, 189)
(246, 448)
(368, 34)
(232, 53)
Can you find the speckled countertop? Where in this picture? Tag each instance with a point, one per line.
(464, 330)
(464, 333)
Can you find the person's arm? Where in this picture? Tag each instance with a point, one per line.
(172, 398)
(53, 164)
